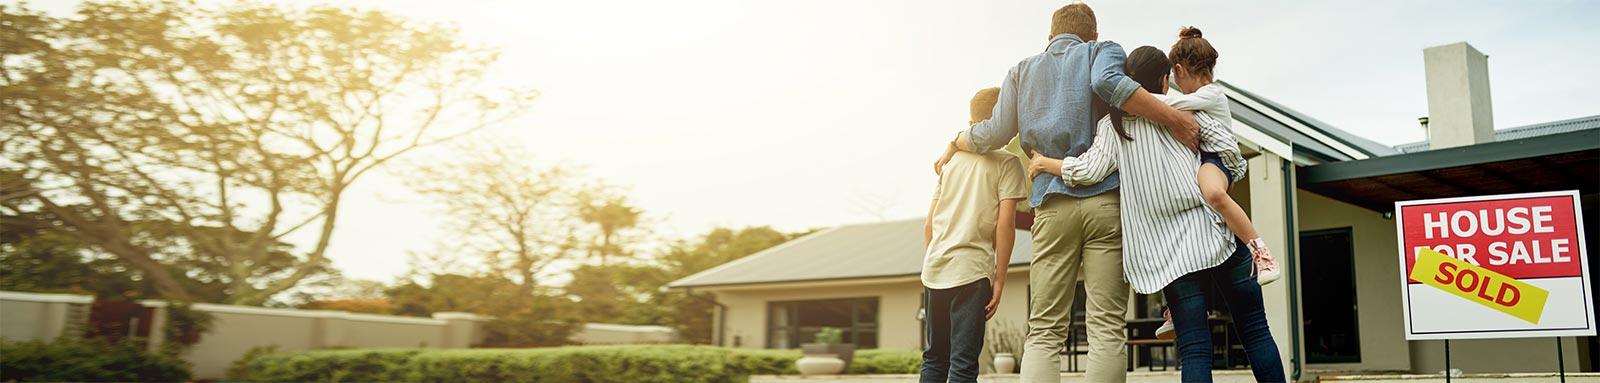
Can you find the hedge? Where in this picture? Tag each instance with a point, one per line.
(594, 364)
(86, 360)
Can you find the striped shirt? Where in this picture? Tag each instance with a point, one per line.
(1168, 230)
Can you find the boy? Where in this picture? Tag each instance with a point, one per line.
(969, 233)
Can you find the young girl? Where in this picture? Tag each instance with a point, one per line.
(1193, 60)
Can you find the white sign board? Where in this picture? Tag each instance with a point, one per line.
(1502, 266)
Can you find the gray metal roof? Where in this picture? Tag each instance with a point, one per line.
(1247, 113)
(868, 250)
(1521, 132)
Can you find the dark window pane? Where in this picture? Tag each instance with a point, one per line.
(825, 313)
(867, 312)
(866, 339)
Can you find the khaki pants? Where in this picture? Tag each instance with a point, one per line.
(1073, 235)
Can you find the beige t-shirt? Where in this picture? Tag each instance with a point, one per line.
(965, 212)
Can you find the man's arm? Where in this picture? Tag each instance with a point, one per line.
(995, 132)
(1180, 123)
(1005, 236)
(990, 134)
(1112, 85)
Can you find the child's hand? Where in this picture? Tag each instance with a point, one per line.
(938, 165)
(1041, 164)
(994, 300)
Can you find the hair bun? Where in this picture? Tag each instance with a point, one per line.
(1189, 32)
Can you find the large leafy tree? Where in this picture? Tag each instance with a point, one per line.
(163, 132)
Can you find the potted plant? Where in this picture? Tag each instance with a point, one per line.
(828, 356)
(1005, 344)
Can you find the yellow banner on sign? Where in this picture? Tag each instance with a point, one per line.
(1479, 284)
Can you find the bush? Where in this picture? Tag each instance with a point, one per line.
(886, 362)
(87, 360)
(364, 365)
(596, 364)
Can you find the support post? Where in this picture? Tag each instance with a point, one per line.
(1447, 371)
(1561, 361)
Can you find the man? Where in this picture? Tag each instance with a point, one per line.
(1049, 99)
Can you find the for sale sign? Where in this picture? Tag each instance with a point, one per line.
(1503, 266)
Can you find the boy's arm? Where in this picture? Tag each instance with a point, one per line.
(1005, 236)
(1112, 84)
(1216, 138)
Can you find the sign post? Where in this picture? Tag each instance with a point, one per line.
(1500, 266)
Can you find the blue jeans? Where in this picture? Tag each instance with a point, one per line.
(1235, 282)
(953, 329)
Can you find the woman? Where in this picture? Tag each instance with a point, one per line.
(1172, 240)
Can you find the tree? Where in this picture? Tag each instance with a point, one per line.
(235, 127)
(611, 213)
(517, 217)
(692, 313)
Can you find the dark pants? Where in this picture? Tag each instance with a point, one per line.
(1235, 282)
(953, 327)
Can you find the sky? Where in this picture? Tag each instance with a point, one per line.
(809, 114)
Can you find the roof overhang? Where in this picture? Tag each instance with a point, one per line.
(1566, 161)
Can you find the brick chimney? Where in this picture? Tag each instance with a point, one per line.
(1459, 111)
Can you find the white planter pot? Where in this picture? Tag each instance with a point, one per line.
(1004, 363)
(819, 364)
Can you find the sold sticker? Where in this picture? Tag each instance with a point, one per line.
(1479, 284)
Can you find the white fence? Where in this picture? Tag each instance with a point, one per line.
(237, 329)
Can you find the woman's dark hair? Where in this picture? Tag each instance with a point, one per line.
(1148, 66)
(1192, 51)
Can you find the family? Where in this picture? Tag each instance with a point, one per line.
(1129, 190)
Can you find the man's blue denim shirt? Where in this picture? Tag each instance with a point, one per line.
(1049, 98)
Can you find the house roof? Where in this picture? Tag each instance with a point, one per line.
(1559, 161)
(1311, 136)
(859, 251)
(1521, 132)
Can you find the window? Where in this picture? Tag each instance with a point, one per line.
(1331, 329)
(794, 322)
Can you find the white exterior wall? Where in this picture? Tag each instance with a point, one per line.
(899, 299)
(1262, 195)
(1378, 317)
(31, 316)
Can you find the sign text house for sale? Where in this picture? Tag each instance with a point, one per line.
(1505, 266)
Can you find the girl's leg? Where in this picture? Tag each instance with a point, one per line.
(1242, 295)
(1186, 299)
(1214, 185)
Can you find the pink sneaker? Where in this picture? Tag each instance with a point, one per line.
(1167, 331)
(1266, 268)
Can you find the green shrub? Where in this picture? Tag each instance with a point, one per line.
(886, 362)
(593, 364)
(87, 360)
(363, 365)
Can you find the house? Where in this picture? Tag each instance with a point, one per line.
(1321, 196)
